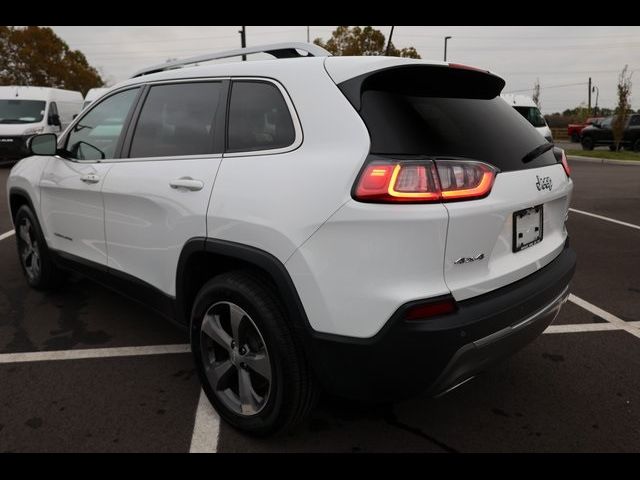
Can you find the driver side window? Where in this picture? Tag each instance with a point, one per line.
(96, 135)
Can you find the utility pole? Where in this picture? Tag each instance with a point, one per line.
(589, 95)
(243, 40)
(389, 42)
(308, 40)
(445, 47)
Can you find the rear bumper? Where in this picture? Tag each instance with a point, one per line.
(407, 357)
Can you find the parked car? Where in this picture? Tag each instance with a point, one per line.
(574, 129)
(93, 95)
(26, 111)
(601, 133)
(372, 226)
(526, 107)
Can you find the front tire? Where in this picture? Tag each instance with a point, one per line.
(35, 259)
(248, 358)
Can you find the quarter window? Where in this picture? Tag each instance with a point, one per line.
(259, 118)
(96, 135)
(177, 119)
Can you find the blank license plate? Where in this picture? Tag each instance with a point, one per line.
(527, 228)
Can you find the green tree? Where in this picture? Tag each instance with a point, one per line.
(623, 108)
(362, 41)
(36, 56)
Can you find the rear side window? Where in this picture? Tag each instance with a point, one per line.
(446, 112)
(177, 119)
(96, 135)
(259, 118)
(634, 121)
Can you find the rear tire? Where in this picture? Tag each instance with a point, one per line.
(587, 143)
(612, 148)
(249, 360)
(575, 138)
(35, 258)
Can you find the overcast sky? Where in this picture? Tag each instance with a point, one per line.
(562, 58)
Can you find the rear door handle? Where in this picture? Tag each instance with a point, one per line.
(187, 183)
(90, 178)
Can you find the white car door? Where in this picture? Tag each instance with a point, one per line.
(156, 199)
(71, 198)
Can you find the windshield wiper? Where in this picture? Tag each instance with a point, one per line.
(536, 152)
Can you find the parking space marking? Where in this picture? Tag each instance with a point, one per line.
(630, 225)
(7, 234)
(632, 329)
(206, 430)
(93, 353)
(581, 327)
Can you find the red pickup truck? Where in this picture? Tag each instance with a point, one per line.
(574, 129)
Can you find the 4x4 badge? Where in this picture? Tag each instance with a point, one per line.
(469, 259)
(544, 183)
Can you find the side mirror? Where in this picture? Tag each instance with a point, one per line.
(45, 144)
(54, 120)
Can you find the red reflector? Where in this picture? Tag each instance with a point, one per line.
(565, 164)
(425, 310)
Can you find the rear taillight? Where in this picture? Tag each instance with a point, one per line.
(565, 164)
(424, 181)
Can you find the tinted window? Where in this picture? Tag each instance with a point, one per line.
(635, 120)
(177, 120)
(445, 112)
(258, 118)
(96, 135)
(533, 116)
(21, 111)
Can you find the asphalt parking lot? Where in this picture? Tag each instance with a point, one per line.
(86, 370)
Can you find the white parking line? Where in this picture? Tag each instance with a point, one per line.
(630, 225)
(581, 327)
(7, 234)
(206, 430)
(621, 324)
(92, 353)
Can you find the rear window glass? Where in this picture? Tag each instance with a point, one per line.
(432, 116)
(533, 116)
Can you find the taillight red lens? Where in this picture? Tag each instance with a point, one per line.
(430, 309)
(565, 164)
(424, 181)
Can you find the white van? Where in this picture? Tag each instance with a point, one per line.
(529, 110)
(26, 111)
(93, 95)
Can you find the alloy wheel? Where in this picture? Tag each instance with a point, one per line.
(235, 357)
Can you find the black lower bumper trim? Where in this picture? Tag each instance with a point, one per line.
(408, 357)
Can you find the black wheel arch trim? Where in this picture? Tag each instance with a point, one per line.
(21, 192)
(247, 254)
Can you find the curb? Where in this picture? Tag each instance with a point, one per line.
(610, 161)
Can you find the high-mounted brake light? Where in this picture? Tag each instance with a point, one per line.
(461, 66)
(424, 181)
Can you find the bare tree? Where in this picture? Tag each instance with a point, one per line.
(536, 93)
(623, 107)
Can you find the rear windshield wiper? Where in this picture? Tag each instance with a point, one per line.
(536, 152)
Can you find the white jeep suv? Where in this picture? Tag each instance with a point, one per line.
(371, 226)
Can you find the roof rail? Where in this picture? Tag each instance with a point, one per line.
(278, 50)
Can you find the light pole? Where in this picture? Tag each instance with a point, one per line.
(445, 47)
(597, 90)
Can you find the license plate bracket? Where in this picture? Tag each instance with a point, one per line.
(527, 227)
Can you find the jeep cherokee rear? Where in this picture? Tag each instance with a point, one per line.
(372, 226)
